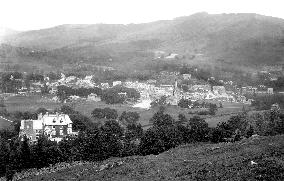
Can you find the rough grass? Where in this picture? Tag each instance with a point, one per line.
(4, 124)
(202, 161)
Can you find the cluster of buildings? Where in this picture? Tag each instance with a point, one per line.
(164, 84)
(54, 126)
(152, 90)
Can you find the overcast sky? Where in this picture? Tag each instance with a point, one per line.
(38, 14)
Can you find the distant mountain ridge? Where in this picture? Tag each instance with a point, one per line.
(248, 39)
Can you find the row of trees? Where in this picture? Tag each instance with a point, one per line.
(11, 82)
(264, 102)
(63, 92)
(211, 108)
(115, 94)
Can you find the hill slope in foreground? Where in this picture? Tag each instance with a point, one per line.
(256, 158)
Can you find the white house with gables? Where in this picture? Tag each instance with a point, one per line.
(54, 126)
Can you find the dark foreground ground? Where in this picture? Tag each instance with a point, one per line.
(256, 158)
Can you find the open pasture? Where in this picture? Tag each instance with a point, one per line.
(33, 102)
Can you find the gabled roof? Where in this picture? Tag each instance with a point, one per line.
(56, 119)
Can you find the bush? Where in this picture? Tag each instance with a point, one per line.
(184, 103)
(198, 129)
(107, 113)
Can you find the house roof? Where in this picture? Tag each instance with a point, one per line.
(56, 119)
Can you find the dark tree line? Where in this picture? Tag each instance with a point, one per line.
(63, 92)
(96, 143)
(113, 96)
(264, 102)
(10, 82)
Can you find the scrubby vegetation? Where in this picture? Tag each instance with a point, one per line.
(100, 142)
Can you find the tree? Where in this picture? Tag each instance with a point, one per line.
(162, 101)
(217, 135)
(41, 110)
(4, 155)
(63, 92)
(238, 122)
(159, 139)
(2, 102)
(67, 110)
(25, 154)
(151, 143)
(161, 119)
(198, 129)
(29, 115)
(196, 104)
(98, 113)
(224, 130)
(133, 131)
(249, 131)
(212, 109)
(80, 122)
(184, 103)
(53, 76)
(237, 135)
(39, 152)
(112, 96)
(110, 113)
(112, 127)
(45, 89)
(129, 117)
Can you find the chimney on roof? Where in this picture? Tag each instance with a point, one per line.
(57, 115)
(39, 116)
(46, 113)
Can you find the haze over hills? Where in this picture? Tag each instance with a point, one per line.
(236, 39)
(6, 32)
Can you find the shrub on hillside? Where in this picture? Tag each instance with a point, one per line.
(198, 129)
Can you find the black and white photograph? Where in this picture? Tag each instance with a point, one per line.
(126, 90)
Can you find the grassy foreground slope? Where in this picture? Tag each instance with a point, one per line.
(256, 158)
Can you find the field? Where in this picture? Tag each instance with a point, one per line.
(33, 102)
(4, 124)
(255, 158)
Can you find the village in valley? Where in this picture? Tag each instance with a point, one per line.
(182, 92)
(197, 97)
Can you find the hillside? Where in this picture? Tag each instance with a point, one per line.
(229, 39)
(6, 32)
(256, 158)
(4, 123)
